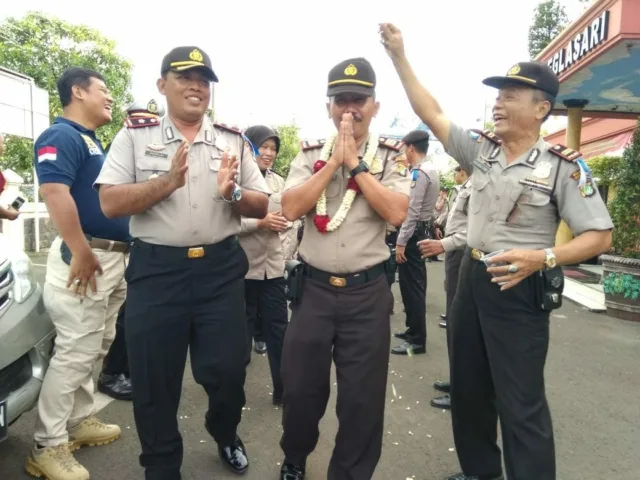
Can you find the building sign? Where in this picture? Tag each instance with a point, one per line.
(581, 45)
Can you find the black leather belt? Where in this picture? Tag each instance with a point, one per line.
(189, 252)
(345, 280)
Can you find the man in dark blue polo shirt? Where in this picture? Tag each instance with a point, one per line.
(84, 286)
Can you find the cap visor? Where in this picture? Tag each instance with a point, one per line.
(353, 89)
(206, 70)
(499, 82)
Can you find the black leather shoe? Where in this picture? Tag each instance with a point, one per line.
(289, 471)
(402, 335)
(260, 347)
(442, 402)
(277, 400)
(462, 476)
(408, 349)
(443, 386)
(235, 457)
(116, 386)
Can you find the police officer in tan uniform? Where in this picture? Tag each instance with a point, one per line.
(425, 184)
(186, 183)
(521, 188)
(261, 240)
(114, 379)
(348, 187)
(452, 246)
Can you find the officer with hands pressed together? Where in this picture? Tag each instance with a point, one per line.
(425, 184)
(186, 183)
(348, 187)
(521, 188)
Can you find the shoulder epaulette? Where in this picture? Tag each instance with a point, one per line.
(309, 145)
(224, 126)
(390, 143)
(565, 153)
(489, 135)
(139, 122)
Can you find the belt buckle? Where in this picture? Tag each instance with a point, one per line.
(196, 252)
(476, 254)
(338, 281)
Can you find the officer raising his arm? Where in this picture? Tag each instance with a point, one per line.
(412, 270)
(348, 187)
(185, 183)
(521, 188)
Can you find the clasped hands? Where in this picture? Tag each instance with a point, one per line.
(345, 151)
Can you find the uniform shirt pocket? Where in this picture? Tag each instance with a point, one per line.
(531, 207)
(148, 168)
(479, 196)
(462, 201)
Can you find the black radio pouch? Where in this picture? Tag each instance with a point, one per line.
(294, 280)
(391, 266)
(550, 286)
(65, 253)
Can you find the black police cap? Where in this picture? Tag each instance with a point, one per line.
(415, 137)
(536, 75)
(354, 75)
(185, 58)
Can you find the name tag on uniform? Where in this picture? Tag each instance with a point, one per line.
(481, 165)
(543, 187)
(156, 154)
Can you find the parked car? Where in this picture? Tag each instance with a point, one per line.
(26, 336)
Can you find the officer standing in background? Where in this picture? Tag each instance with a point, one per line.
(186, 183)
(425, 184)
(7, 213)
(349, 188)
(459, 177)
(261, 240)
(452, 246)
(114, 379)
(522, 187)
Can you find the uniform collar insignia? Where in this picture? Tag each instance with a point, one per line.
(208, 136)
(168, 133)
(533, 156)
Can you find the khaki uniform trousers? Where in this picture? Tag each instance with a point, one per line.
(84, 333)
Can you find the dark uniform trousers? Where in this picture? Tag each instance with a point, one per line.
(350, 324)
(266, 300)
(117, 360)
(452, 262)
(499, 347)
(413, 289)
(175, 303)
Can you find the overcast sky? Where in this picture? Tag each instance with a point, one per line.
(272, 57)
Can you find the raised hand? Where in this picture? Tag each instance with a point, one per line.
(227, 175)
(391, 38)
(179, 166)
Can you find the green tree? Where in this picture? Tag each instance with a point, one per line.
(549, 19)
(625, 207)
(289, 147)
(446, 179)
(42, 47)
(489, 125)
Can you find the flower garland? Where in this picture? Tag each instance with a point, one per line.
(321, 220)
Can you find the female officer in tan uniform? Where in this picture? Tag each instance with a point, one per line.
(261, 240)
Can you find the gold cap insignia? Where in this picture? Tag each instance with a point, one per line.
(351, 70)
(195, 55)
(514, 70)
(152, 106)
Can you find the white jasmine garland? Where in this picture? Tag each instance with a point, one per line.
(350, 194)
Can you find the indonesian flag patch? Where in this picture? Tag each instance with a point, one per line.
(47, 153)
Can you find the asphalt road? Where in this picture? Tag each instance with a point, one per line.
(593, 385)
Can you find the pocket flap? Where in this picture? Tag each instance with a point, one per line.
(153, 164)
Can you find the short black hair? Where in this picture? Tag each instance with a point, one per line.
(72, 77)
(422, 146)
(542, 96)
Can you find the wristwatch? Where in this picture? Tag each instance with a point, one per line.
(550, 259)
(362, 167)
(236, 195)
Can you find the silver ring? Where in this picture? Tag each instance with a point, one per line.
(513, 269)
(76, 281)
